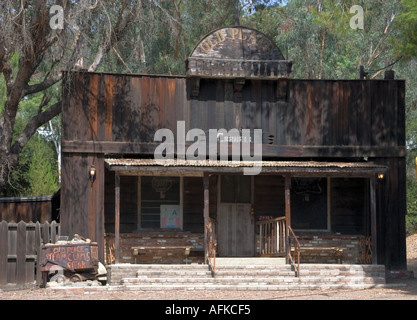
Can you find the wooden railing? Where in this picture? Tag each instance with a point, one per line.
(272, 237)
(212, 245)
(294, 254)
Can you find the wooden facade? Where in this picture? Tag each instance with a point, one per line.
(305, 124)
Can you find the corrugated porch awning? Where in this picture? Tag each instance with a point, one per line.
(199, 167)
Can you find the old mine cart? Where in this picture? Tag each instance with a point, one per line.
(69, 260)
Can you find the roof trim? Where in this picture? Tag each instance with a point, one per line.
(136, 166)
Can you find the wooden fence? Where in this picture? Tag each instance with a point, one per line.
(20, 245)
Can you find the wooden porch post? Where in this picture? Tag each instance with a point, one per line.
(206, 214)
(373, 219)
(287, 215)
(117, 215)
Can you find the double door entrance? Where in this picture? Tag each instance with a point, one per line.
(235, 219)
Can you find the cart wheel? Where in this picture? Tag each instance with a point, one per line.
(60, 278)
(76, 278)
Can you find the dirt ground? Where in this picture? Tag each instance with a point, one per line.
(400, 289)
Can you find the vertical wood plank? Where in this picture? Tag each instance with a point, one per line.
(131, 112)
(101, 108)
(295, 123)
(155, 103)
(324, 97)
(170, 106)
(46, 233)
(366, 113)
(11, 260)
(219, 104)
(117, 215)
(108, 124)
(334, 113)
(346, 92)
(229, 117)
(117, 109)
(287, 213)
(162, 84)
(21, 254)
(206, 184)
(99, 210)
(180, 98)
(3, 252)
(145, 105)
(401, 113)
(92, 115)
(30, 252)
(38, 245)
(373, 219)
(53, 232)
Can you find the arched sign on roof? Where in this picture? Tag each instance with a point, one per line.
(236, 52)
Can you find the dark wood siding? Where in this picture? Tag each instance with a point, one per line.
(269, 200)
(193, 205)
(82, 202)
(26, 209)
(327, 118)
(349, 207)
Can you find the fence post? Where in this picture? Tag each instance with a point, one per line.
(21, 253)
(53, 232)
(30, 252)
(38, 246)
(46, 233)
(3, 252)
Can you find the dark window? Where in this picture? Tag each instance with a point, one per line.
(309, 203)
(158, 193)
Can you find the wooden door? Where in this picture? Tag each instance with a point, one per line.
(235, 223)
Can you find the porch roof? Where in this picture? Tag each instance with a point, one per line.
(199, 167)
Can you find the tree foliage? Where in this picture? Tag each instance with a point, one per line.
(32, 56)
(406, 41)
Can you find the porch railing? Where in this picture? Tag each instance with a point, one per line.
(212, 245)
(294, 250)
(272, 237)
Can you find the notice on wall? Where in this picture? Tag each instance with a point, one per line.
(170, 216)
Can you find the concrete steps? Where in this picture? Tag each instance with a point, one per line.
(255, 276)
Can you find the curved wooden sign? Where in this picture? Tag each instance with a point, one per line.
(237, 43)
(237, 52)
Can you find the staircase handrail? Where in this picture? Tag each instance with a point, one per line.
(294, 260)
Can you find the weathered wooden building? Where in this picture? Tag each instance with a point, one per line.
(332, 160)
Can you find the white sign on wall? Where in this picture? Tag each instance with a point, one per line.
(170, 216)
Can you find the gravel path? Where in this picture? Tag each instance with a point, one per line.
(405, 289)
(396, 290)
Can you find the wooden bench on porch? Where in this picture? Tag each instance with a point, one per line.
(141, 250)
(335, 252)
